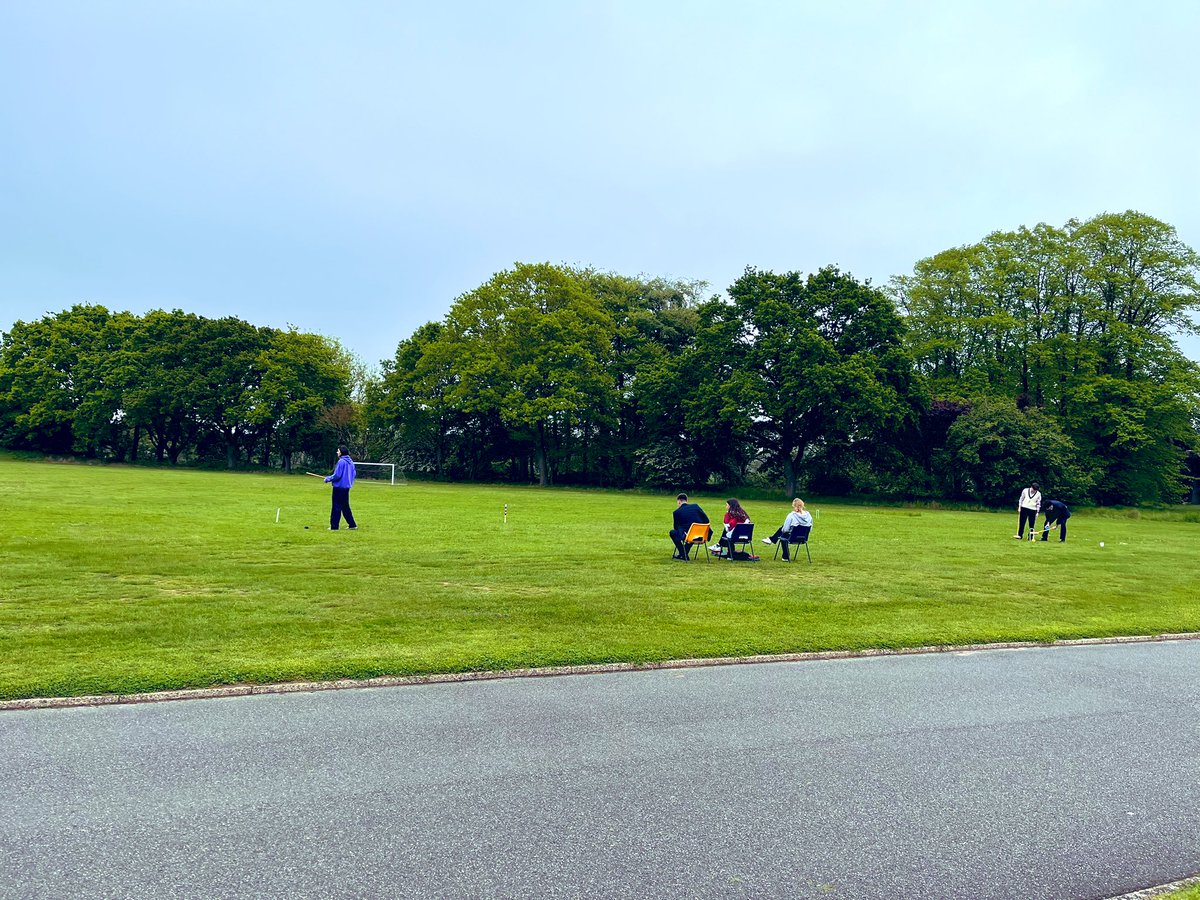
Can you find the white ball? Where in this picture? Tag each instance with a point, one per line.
(1102, 543)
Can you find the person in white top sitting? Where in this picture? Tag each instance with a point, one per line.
(1029, 505)
(798, 516)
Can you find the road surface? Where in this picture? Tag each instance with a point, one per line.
(1067, 772)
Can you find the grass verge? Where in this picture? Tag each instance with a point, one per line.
(121, 580)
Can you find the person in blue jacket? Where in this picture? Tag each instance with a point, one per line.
(1056, 513)
(342, 480)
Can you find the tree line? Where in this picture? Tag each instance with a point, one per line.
(1042, 354)
(171, 385)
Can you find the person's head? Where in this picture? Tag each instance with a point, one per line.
(735, 507)
(680, 499)
(342, 451)
(798, 505)
(1033, 487)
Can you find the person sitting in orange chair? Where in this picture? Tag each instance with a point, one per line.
(686, 515)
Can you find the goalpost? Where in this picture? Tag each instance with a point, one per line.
(392, 466)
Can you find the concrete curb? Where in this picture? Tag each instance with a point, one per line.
(1161, 890)
(243, 690)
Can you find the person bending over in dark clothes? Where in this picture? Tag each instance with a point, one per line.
(686, 515)
(1056, 513)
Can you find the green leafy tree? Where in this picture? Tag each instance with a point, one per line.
(101, 423)
(532, 346)
(1139, 432)
(1080, 322)
(654, 322)
(49, 370)
(995, 449)
(302, 376)
(162, 381)
(413, 400)
(228, 371)
(803, 362)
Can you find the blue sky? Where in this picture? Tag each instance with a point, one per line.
(351, 168)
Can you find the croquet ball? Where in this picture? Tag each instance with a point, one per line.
(1102, 543)
(306, 529)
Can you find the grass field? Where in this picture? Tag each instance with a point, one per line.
(118, 579)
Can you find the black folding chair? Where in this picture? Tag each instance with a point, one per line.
(741, 534)
(797, 536)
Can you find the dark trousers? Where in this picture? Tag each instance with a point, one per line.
(1027, 515)
(341, 507)
(1062, 530)
(677, 537)
(780, 535)
(726, 545)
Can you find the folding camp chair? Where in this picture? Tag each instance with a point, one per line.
(698, 535)
(797, 536)
(743, 535)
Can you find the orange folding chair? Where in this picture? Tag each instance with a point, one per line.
(698, 536)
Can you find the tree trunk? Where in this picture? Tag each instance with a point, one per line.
(789, 475)
(541, 455)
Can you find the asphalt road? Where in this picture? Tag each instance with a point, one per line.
(1057, 773)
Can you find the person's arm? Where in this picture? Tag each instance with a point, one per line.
(336, 475)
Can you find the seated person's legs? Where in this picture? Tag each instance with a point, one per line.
(677, 537)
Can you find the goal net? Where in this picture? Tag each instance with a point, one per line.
(378, 471)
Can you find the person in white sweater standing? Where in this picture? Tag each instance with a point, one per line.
(1028, 505)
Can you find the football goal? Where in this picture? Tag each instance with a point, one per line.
(378, 471)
